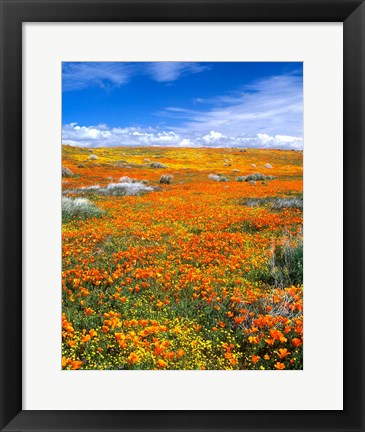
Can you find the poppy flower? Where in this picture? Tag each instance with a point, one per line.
(255, 359)
(282, 353)
(279, 366)
(161, 363)
(296, 342)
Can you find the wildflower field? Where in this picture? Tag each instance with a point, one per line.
(182, 258)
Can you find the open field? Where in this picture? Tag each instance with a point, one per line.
(175, 258)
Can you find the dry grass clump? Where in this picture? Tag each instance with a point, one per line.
(276, 203)
(126, 179)
(291, 202)
(79, 207)
(66, 172)
(269, 166)
(166, 179)
(286, 264)
(93, 157)
(114, 189)
(126, 189)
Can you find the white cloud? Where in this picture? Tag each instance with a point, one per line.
(213, 137)
(81, 75)
(102, 136)
(273, 106)
(264, 114)
(171, 71)
(185, 142)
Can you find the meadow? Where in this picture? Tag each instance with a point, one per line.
(182, 258)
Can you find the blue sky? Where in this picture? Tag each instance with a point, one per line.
(183, 104)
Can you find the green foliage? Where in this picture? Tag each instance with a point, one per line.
(286, 265)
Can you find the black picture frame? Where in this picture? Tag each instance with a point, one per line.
(13, 14)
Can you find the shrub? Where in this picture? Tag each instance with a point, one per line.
(292, 202)
(276, 203)
(254, 177)
(126, 189)
(260, 176)
(165, 179)
(157, 165)
(79, 207)
(218, 178)
(251, 177)
(66, 172)
(80, 165)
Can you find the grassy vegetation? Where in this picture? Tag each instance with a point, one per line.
(191, 273)
(79, 208)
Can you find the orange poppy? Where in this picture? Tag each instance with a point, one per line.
(282, 353)
(296, 342)
(255, 359)
(279, 366)
(161, 363)
(133, 358)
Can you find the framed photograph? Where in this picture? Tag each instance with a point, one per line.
(182, 189)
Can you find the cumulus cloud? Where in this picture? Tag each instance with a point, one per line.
(94, 136)
(102, 136)
(213, 137)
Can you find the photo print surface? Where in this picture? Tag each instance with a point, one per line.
(182, 216)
